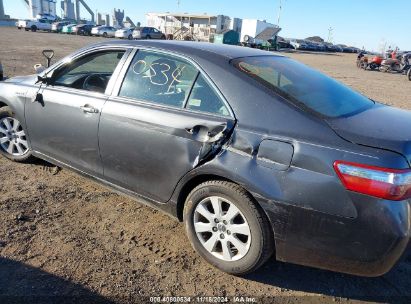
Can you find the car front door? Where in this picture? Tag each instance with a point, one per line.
(63, 120)
(162, 121)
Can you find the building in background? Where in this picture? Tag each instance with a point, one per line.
(68, 10)
(41, 8)
(183, 26)
(2, 14)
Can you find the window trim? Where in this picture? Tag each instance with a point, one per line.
(122, 75)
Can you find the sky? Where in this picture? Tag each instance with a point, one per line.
(360, 23)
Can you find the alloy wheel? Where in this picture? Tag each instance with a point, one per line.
(222, 229)
(13, 139)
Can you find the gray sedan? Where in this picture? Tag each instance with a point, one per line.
(258, 154)
(104, 31)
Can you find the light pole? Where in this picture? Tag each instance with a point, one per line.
(330, 35)
(279, 12)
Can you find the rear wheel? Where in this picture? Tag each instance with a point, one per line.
(227, 228)
(13, 140)
(105, 35)
(130, 37)
(34, 28)
(148, 37)
(409, 74)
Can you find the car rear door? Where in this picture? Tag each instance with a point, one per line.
(162, 121)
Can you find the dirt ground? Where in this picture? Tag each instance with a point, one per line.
(63, 237)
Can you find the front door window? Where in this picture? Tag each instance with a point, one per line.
(90, 73)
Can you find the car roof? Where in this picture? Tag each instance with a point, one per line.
(191, 48)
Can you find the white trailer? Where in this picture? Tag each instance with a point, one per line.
(253, 27)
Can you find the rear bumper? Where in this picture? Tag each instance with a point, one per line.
(369, 245)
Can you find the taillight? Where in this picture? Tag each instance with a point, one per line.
(390, 184)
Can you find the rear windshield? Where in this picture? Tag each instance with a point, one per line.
(304, 86)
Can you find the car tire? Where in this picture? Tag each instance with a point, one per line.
(34, 28)
(7, 114)
(239, 258)
(130, 37)
(105, 35)
(148, 37)
(163, 37)
(409, 74)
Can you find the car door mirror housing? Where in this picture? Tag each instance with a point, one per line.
(45, 78)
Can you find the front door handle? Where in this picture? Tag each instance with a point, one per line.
(89, 109)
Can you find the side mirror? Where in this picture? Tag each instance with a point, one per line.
(45, 78)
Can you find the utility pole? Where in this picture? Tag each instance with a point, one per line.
(330, 35)
(279, 12)
(178, 3)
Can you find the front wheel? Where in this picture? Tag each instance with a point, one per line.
(409, 74)
(105, 35)
(227, 228)
(13, 140)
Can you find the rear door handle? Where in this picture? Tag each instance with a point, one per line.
(89, 109)
(204, 134)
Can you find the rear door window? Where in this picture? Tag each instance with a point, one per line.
(159, 78)
(205, 99)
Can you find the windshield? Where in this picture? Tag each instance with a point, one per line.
(304, 86)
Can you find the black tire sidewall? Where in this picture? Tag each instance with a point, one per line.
(247, 263)
(7, 112)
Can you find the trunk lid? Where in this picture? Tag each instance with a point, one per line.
(382, 127)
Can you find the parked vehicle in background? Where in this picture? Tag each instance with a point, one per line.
(373, 64)
(391, 65)
(284, 45)
(68, 29)
(57, 27)
(312, 46)
(319, 46)
(343, 48)
(299, 44)
(83, 29)
(104, 31)
(148, 33)
(329, 47)
(125, 33)
(35, 25)
(21, 24)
